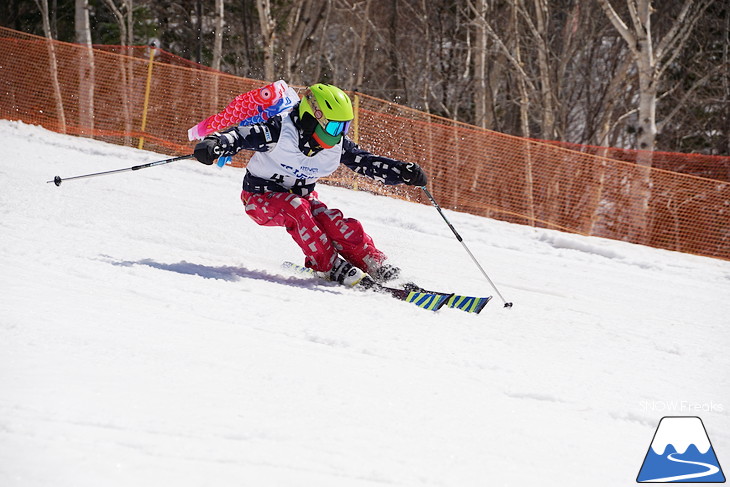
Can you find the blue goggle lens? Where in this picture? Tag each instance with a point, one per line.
(337, 128)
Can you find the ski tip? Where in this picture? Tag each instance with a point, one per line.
(482, 303)
(296, 268)
(469, 304)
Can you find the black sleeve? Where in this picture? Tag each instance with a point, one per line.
(261, 137)
(379, 168)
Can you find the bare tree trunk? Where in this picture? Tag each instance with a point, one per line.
(129, 71)
(217, 48)
(86, 69)
(43, 7)
(604, 129)
(480, 65)
(524, 119)
(570, 47)
(129, 5)
(199, 31)
(726, 80)
(617, 83)
(513, 55)
(546, 91)
(482, 88)
(268, 34)
(303, 19)
(427, 61)
(362, 49)
(650, 64)
(123, 66)
(316, 72)
(218, 33)
(640, 44)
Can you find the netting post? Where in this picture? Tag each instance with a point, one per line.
(356, 125)
(147, 95)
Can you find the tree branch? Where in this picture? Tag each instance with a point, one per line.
(620, 26)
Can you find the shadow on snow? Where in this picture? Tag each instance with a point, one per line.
(227, 273)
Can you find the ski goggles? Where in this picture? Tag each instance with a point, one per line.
(331, 127)
(336, 128)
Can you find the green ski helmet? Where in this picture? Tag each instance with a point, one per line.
(331, 108)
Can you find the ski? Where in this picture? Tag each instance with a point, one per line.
(470, 304)
(430, 300)
(413, 293)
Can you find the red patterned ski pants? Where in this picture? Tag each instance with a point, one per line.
(320, 232)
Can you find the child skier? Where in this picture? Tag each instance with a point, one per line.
(292, 151)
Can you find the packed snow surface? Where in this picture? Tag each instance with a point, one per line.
(150, 337)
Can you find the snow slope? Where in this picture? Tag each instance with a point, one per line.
(148, 337)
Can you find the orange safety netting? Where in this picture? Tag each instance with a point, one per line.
(579, 189)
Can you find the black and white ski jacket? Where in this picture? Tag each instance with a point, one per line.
(283, 161)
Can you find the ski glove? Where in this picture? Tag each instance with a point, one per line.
(413, 175)
(207, 150)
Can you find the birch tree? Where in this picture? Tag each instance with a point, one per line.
(267, 25)
(539, 33)
(126, 39)
(651, 60)
(217, 47)
(481, 87)
(60, 113)
(510, 46)
(86, 68)
(218, 33)
(302, 27)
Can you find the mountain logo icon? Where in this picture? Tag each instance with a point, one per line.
(681, 452)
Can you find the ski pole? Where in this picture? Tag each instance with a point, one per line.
(58, 179)
(458, 237)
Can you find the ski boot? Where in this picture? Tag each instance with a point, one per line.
(385, 273)
(347, 274)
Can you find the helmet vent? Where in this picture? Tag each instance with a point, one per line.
(328, 104)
